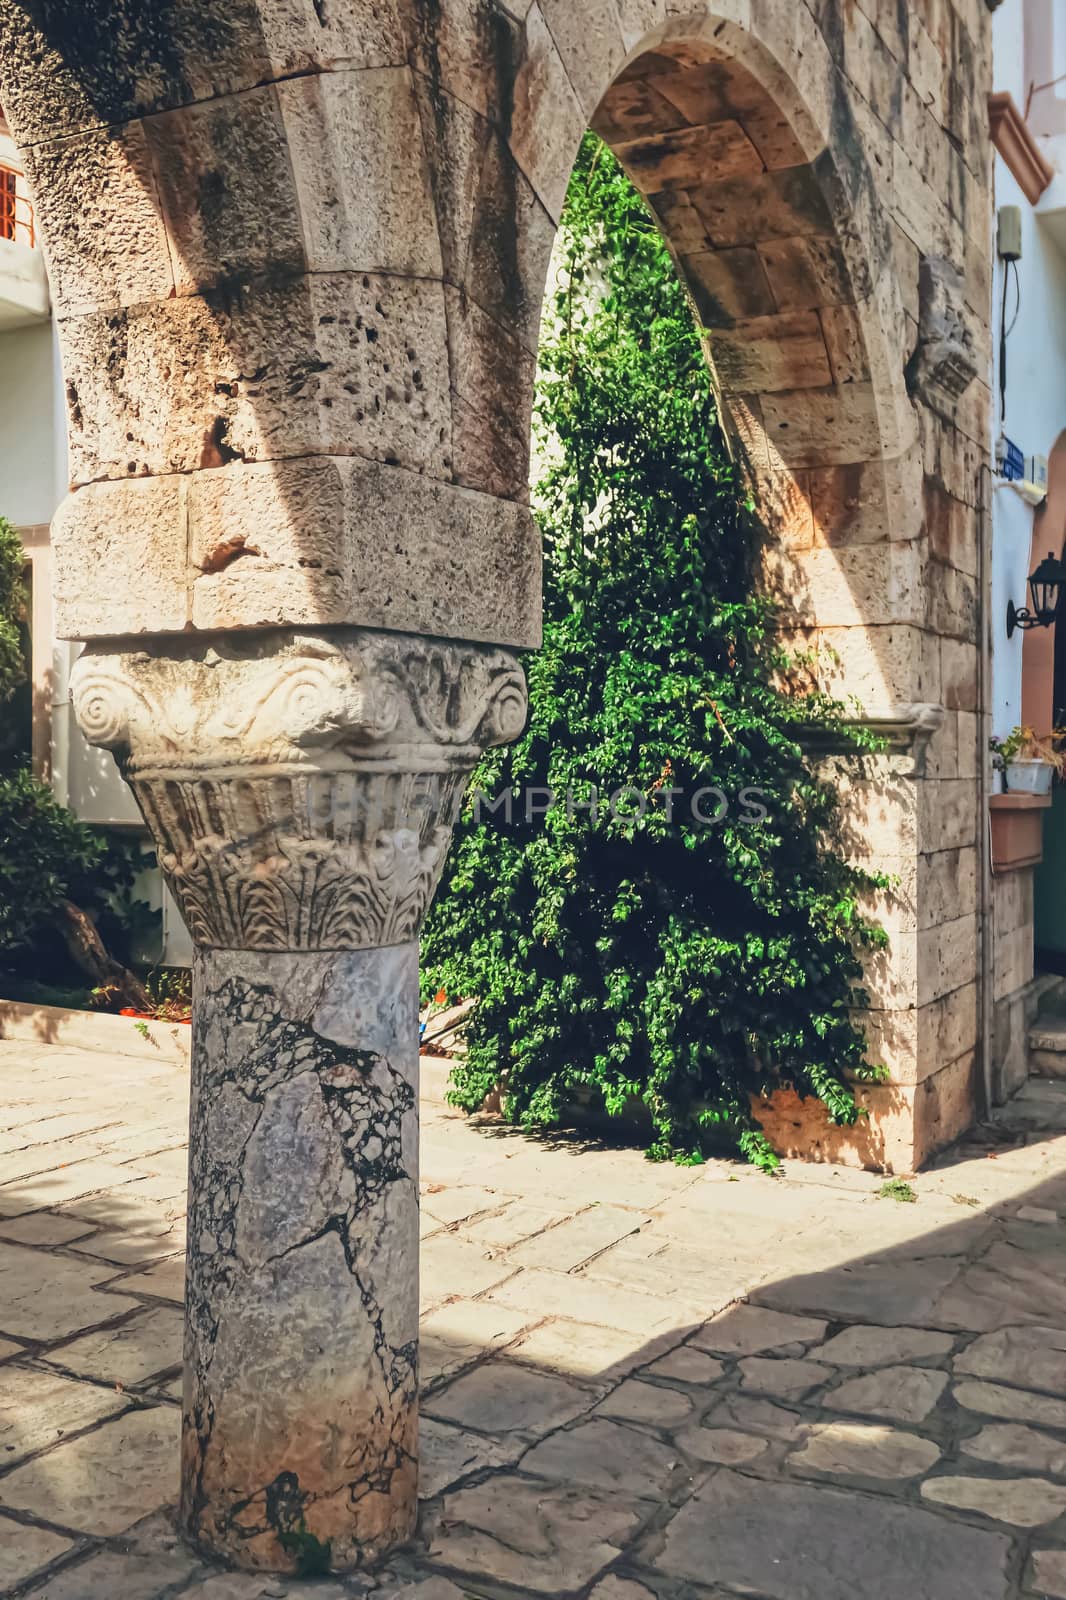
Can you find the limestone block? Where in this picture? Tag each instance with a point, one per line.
(470, 51)
(727, 285)
(883, 666)
(947, 813)
(844, 341)
(866, 501)
(1012, 901)
(510, 245)
(546, 122)
(119, 559)
(228, 190)
(638, 17)
(952, 528)
(1013, 961)
(951, 459)
(313, 542)
(589, 41)
(855, 585)
(945, 1106)
(632, 108)
(946, 955)
(958, 666)
(682, 157)
(460, 563)
(772, 353)
(783, 506)
(947, 880)
(746, 210)
(805, 273)
(492, 378)
(52, 90)
(98, 205)
(331, 363)
(267, 544)
(915, 1043)
(355, 142)
(817, 427)
(300, 34)
(721, 89)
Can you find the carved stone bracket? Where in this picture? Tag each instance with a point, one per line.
(301, 788)
(944, 362)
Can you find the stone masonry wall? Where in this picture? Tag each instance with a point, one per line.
(298, 254)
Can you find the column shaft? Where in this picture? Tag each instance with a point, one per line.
(300, 1397)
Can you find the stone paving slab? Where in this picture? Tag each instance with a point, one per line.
(639, 1383)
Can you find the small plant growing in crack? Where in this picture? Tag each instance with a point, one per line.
(313, 1558)
(897, 1189)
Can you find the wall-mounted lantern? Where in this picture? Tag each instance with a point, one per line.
(1044, 586)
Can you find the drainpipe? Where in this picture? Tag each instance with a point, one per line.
(984, 780)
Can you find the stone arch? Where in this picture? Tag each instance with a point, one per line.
(298, 252)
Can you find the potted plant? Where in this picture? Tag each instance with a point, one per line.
(1031, 760)
(995, 745)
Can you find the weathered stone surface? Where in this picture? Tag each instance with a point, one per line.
(129, 1354)
(864, 1450)
(749, 1330)
(152, 1559)
(1033, 1358)
(27, 1549)
(44, 1229)
(797, 1543)
(446, 1454)
(106, 1480)
(456, 1335)
(303, 1251)
(687, 1366)
(533, 1535)
(338, 766)
(501, 1397)
(39, 1408)
(1049, 1573)
(1023, 1502)
(790, 1378)
(996, 1400)
(722, 1446)
(605, 1455)
(875, 1347)
(579, 1239)
(650, 1403)
(584, 1350)
(907, 1394)
(1010, 1444)
(33, 1306)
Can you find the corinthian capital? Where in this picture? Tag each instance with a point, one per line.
(301, 788)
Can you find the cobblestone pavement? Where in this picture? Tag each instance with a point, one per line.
(638, 1381)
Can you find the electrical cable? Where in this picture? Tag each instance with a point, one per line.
(1005, 331)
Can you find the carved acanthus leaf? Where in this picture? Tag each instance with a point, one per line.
(301, 789)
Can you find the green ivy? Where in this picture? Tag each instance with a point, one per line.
(12, 599)
(650, 962)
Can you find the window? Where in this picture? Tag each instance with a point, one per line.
(16, 212)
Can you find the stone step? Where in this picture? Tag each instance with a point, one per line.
(1047, 1047)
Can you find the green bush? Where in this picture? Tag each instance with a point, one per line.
(665, 963)
(44, 852)
(12, 562)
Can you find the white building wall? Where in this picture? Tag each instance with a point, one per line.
(1036, 361)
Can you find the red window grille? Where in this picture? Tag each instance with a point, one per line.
(16, 212)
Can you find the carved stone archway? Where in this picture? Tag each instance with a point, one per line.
(297, 255)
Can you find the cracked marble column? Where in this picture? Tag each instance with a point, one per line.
(301, 790)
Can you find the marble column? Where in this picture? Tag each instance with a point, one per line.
(301, 789)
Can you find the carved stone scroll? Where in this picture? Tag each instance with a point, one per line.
(301, 788)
